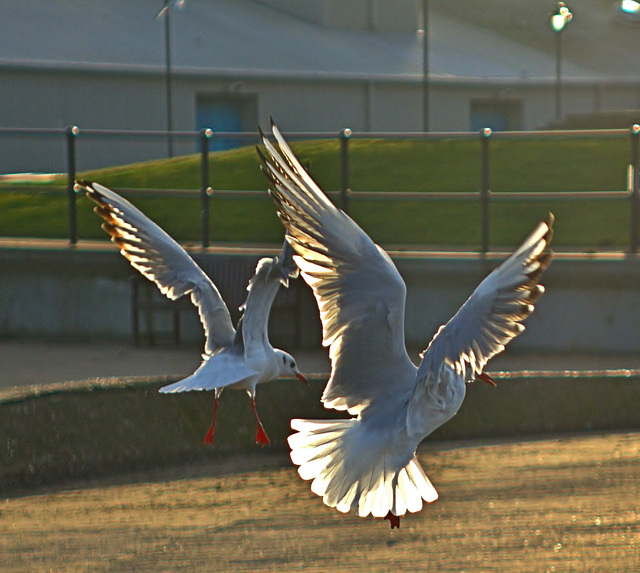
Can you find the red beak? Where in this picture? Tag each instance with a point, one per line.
(302, 377)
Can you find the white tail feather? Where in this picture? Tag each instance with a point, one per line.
(351, 474)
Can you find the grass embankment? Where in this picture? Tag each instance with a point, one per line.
(375, 165)
(556, 505)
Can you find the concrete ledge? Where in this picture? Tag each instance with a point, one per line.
(83, 293)
(107, 427)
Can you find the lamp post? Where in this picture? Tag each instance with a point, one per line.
(166, 14)
(559, 20)
(425, 65)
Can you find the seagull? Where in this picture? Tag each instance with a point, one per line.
(237, 358)
(367, 464)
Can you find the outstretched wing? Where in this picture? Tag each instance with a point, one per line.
(159, 258)
(360, 294)
(262, 290)
(283, 265)
(490, 317)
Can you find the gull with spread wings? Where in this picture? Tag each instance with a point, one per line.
(232, 358)
(367, 464)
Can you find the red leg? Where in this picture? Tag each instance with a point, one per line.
(394, 520)
(261, 436)
(208, 439)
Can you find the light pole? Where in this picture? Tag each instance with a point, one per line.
(166, 14)
(425, 65)
(559, 20)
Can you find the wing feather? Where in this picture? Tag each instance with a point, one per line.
(263, 287)
(161, 259)
(491, 316)
(360, 294)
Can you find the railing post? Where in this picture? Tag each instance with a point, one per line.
(485, 135)
(205, 190)
(71, 133)
(634, 183)
(345, 135)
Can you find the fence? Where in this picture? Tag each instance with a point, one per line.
(483, 195)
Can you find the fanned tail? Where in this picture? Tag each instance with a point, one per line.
(185, 385)
(351, 474)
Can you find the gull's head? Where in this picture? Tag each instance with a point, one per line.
(288, 366)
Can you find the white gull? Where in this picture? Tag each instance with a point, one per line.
(367, 464)
(232, 358)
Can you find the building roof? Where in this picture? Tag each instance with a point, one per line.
(507, 39)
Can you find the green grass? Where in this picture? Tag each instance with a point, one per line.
(375, 165)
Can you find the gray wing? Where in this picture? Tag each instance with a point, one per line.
(490, 317)
(284, 265)
(159, 258)
(262, 290)
(360, 294)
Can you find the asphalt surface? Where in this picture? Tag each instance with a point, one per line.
(27, 362)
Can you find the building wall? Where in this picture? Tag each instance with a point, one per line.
(396, 107)
(314, 106)
(126, 101)
(90, 101)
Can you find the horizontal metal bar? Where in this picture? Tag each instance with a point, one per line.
(367, 195)
(415, 195)
(474, 195)
(558, 195)
(471, 135)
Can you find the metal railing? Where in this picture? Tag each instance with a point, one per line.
(484, 195)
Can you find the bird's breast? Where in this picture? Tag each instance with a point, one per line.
(436, 400)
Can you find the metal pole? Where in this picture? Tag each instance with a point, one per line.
(425, 65)
(167, 46)
(205, 190)
(345, 135)
(635, 187)
(71, 132)
(558, 75)
(485, 135)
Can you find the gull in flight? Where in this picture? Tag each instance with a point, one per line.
(232, 358)
(367, 464)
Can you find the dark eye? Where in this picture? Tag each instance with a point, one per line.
(284, 360)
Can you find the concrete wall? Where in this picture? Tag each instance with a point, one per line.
(45, 99)
(589, 306)
(107, 427)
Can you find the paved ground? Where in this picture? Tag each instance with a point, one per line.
(24, 362)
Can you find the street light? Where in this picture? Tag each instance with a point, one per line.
(630, 6)
(627, 12)
(166, 14)
(559, 21)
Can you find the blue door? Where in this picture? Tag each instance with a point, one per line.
(220, 114)
(496, 120)
(498, 114)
